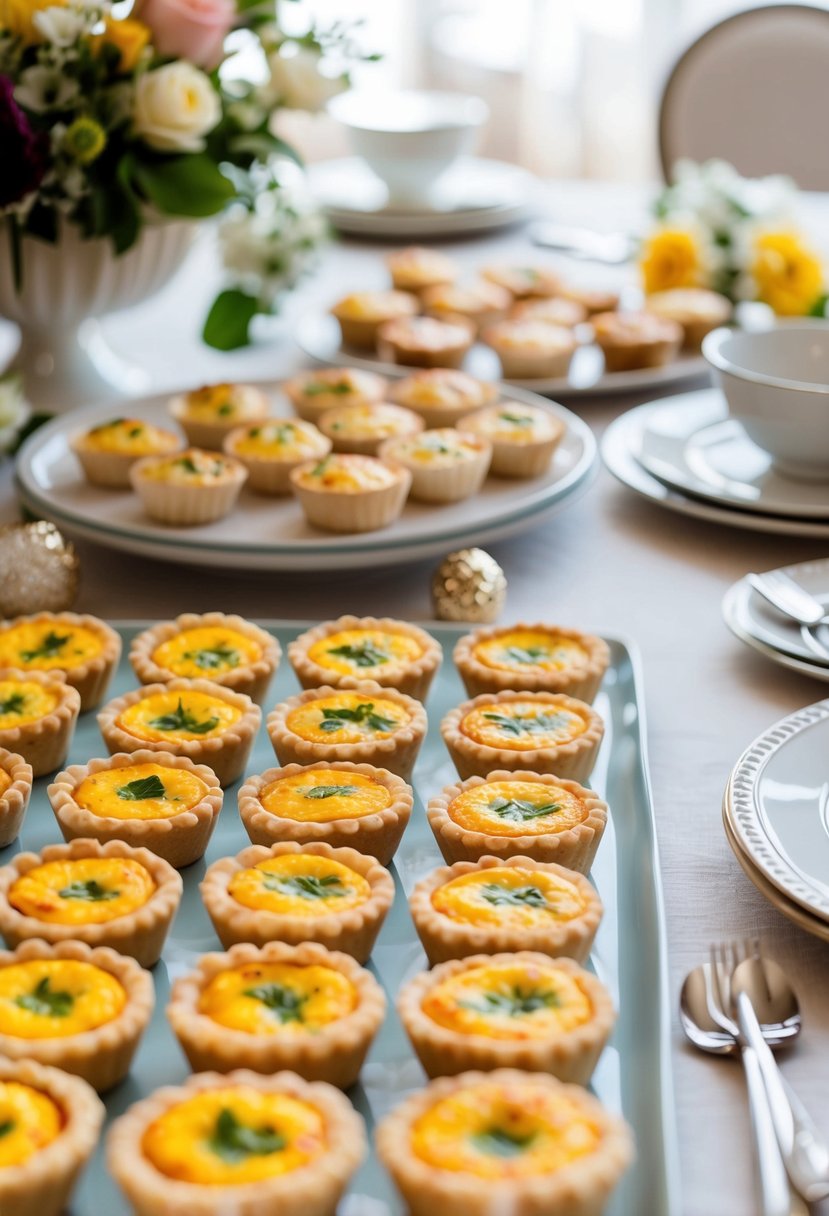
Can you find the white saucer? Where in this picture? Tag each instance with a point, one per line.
(621, 444)
(475, 196)
(692, 444)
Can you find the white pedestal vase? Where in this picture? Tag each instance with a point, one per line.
(63, 356)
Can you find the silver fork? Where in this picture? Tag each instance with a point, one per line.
(776, 1195)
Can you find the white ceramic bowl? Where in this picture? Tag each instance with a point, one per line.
(776, 383)
(410, 138)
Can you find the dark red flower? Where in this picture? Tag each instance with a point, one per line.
(25, 151)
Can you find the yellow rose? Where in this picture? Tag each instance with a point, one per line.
(17, 16)
(788, 274)
(672, 257)
(129, 36)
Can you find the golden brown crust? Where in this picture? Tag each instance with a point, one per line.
(580, 680)
(187, 505)
(360, 511)
(581, 1188)
(202, 433)
(574, 759)
(397, 752)
(269, 474)
(333, 1052)
(574, 848)
(92, 677)
(353, 932)
(42, 1185)
(467, 395)
(251, 679)
(414, 679)
(139, 934)
(226, 754)
(570, 1055)
(103, 1056)
(633, 340)
(529, 459)
(444, 938)
(362, 331)
(364, 389)
(313, 1190)
(377, 835)
(451, 482)
(15, 798)
(179, 840)
(425, 341)
(44, 743)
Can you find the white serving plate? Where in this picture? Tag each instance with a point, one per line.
(270, 534)
(777, 806)
(623, 440)
(319, 336)
(752, 619)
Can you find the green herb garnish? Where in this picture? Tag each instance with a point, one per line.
(51, 646)
(516, 419)
(364, 714)
(7, 1126)
(46, 1003)
(225, 409)
(306, 886)
(285, 1004)
(329, 791)
(362, 654)
(525, 654)
(214, 657)
(516, 897)
(528, 725)
(90, 890)
(518, 810)
(182, 719)
(515, 1003)
(13, 703)
(321, 467)
(234, 1142)
(315, 388)
(142, 788)
(135, 431)
(496, 1142)
(188, 464)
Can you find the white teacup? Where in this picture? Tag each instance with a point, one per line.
(409, 139)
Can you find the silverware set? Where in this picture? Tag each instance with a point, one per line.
(740, 1003)
(794, 601)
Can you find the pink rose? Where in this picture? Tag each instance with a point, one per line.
(189, 29)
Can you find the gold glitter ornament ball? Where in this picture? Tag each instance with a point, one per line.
(469, 585)
(38, 569)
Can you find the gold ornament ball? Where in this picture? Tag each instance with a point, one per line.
(469, 585)
(38, 569)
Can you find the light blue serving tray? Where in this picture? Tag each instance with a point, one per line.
(633, 1076)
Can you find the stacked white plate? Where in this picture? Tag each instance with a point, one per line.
(686, 454)
(754, 621)
(776, 816)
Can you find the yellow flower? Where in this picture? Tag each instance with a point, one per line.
(128, 36)
(789, 275)
(84, 140)
(17, 16)
(672, 257)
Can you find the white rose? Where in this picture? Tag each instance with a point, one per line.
(174, 108)
(297, 83)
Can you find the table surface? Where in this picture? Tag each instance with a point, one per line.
(610, 563)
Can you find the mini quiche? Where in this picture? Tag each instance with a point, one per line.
(518, 814)
(341, 804)
(83, 648)
(240, 1143)
(312, 1010)
(76, 1008)
(523, 437)
(446, 465)
(442, 395)
(227, 650)
(103, 894)
(353, 649)
(361, 314)
(367, 724)
(522, 1010)
(553, 310)
(532, 658)
(425, 341)
(630, 340)
(541, 731)
(362, 428)
(38, 712)
(108, 451)
(191, 488)
(480, 304)
(148, 799)
(272, 449)
(296, 893)
(313, 393)
(696, 309)
(528, 349)
(505, 1141)
(525, 282)
(15, 792)
(347, 492)
(207, 415)
(51, 1124)
(416, 269)
(199, 720)
(496, 904)
(594, 299)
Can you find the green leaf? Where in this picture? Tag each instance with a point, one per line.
(518, 725)
(525, 654)
(496, 1142)
(90, 890)
(184, 185)
(227, 326)
(306, 886)
(516, 419)
(516, 897)
(515, 1003)
(46, 1003)
(315, 388)
(518, 810)
(285, 1004)
(182, 719)
(13, 704)
(234, 1142)
(818, 309)
(329, 791)
(142, 788)
(49, 648)
(7, 1126)
(214, 657)
(363, 654)
(361, 714)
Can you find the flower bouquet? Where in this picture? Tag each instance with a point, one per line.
(734, 235)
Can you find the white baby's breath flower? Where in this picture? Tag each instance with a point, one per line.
(297, 81)
(62, 26)
(43, 88)
(175, 106)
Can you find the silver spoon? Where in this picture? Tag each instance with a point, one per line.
(777, 1196)
(788, 597)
